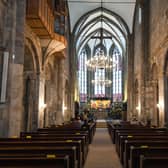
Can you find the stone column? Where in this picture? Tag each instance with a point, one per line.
(60, 91)
(53, 103)
(41, 101)
(36, 102)
(162, 90)
(154, 105)
(16, 48)
(130, 87)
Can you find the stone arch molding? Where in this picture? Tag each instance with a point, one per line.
(32, 83)
(54, 47)
(112, 21)
(36, 62)
(34, 44)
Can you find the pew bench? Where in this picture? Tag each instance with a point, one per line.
(142, 143)
(145, 131)
(153, 162)
(35, 162)
(131, 134)
(84, 145)
(69, 143)
(150, 138)
(27, 151)
(135, 153)
(56, 134)
(74, 126)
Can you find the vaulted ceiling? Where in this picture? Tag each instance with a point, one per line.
(123, 8)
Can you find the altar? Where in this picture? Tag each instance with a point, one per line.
(100, 107)
(101, 114)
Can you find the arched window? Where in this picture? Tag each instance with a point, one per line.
(117, 76)
(107, 31)
(99, 89)
(82, 69)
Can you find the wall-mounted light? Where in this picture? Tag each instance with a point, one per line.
(158, 105)
(44, 106)
(65, 108)
(138, 108)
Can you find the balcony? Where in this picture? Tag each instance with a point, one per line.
(40, 17)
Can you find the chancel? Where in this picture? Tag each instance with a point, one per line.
(84, 83)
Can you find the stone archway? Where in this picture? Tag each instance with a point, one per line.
(30, 93)
(166, 88)
(54, 82)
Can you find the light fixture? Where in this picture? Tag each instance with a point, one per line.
(100, 60)
(138, 108)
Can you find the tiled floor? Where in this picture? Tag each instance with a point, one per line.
(102, 152)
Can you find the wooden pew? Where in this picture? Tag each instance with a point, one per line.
(68, 131)
(153, 162)
(129, 135)
(142, 143)
(35, 162)
(57, 137)
(69, 143)
(140, 130)
(135, 153)
(74, 126)
(27, 151)
(114, 129)
(56, 134)
(142, 137)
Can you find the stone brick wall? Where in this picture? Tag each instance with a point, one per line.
(158, 46)
(158, 25)
(137, 44)
(15, 36)
(153, 32)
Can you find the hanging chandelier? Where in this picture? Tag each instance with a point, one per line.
(100, 60)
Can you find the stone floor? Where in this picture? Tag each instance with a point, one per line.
(102, 152)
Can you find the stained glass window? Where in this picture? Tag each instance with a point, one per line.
(99, 89)
(117, 76)
(82, 76)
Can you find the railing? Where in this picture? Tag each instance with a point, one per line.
(40, 17)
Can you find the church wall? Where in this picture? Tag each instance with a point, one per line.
(138, 61)
(12, 41)
(158, 43)
(3, 123)
(150, 47)
(15, 37)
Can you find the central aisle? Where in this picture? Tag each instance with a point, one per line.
(102, 152)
